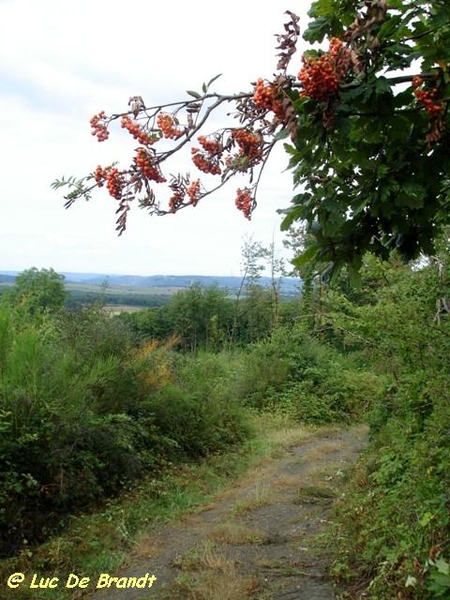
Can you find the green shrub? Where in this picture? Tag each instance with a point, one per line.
(394, 527)
(198, 411)
(296, 374)
(81, 417)
(92, 333)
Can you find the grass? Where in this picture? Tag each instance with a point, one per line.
(207, 572)
(234, 533)
(262, 496)
(314, 494)
(204, 555)
(104, 541)
(316, 454)
(213, 585)
(282, 567)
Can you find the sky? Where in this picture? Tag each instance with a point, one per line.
(63, 61)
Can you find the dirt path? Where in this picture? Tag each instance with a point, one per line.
(258, 540)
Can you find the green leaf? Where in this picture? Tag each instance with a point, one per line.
(320, 8)
(398, 4)
(382, 86)
(307, 256)
(292, 215)
(439, 583)
(354, 274)
(426, 519)
(194, 94)
(383, 170)
(281, 135)
(213, 79)
(389, 27)
(317, 30)
(442, 566)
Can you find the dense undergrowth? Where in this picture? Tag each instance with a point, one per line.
(86, 408)
(92, 405)
(84, 413)
(393, 532)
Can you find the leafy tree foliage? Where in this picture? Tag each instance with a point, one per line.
(212, 319)
(39, 290)
(375, 167)
(365, 115)
(201, 317)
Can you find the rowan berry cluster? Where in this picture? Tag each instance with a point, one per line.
(206, 163)
(169, 126)
(136, 131)
(245, 202)
(176, 200)
(211, 146)
(249, 144)
(147, 167)
(321, 76)
(100, 175)
(115, 182)
(193, 192)
(340, 55)
(98, 126)
(182, 187)
(427, 97)
(267, 97)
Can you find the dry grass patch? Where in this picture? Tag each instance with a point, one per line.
(283, 567)
(208, 574)
(315, 491)
(146, 548)
(208, 585)
(326, 474)
(204, 555)
(205, 507)
(288, 436)
(255, 499)
(234, 533)
(321, 451)
(286, 481)
(314, 494)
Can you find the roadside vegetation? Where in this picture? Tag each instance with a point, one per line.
(108, 422)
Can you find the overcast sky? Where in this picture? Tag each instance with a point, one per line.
(64, 60)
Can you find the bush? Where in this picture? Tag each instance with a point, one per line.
(197, 410)
(296, 374)
(82, 415)
(92, 333)
(394, 525)
(62, 445)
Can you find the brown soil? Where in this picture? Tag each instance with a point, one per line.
(259, 540)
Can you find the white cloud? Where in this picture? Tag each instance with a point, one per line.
(64, 61)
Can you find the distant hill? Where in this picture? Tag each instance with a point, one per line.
(173, 281)
(7, 278)
(290, 285)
